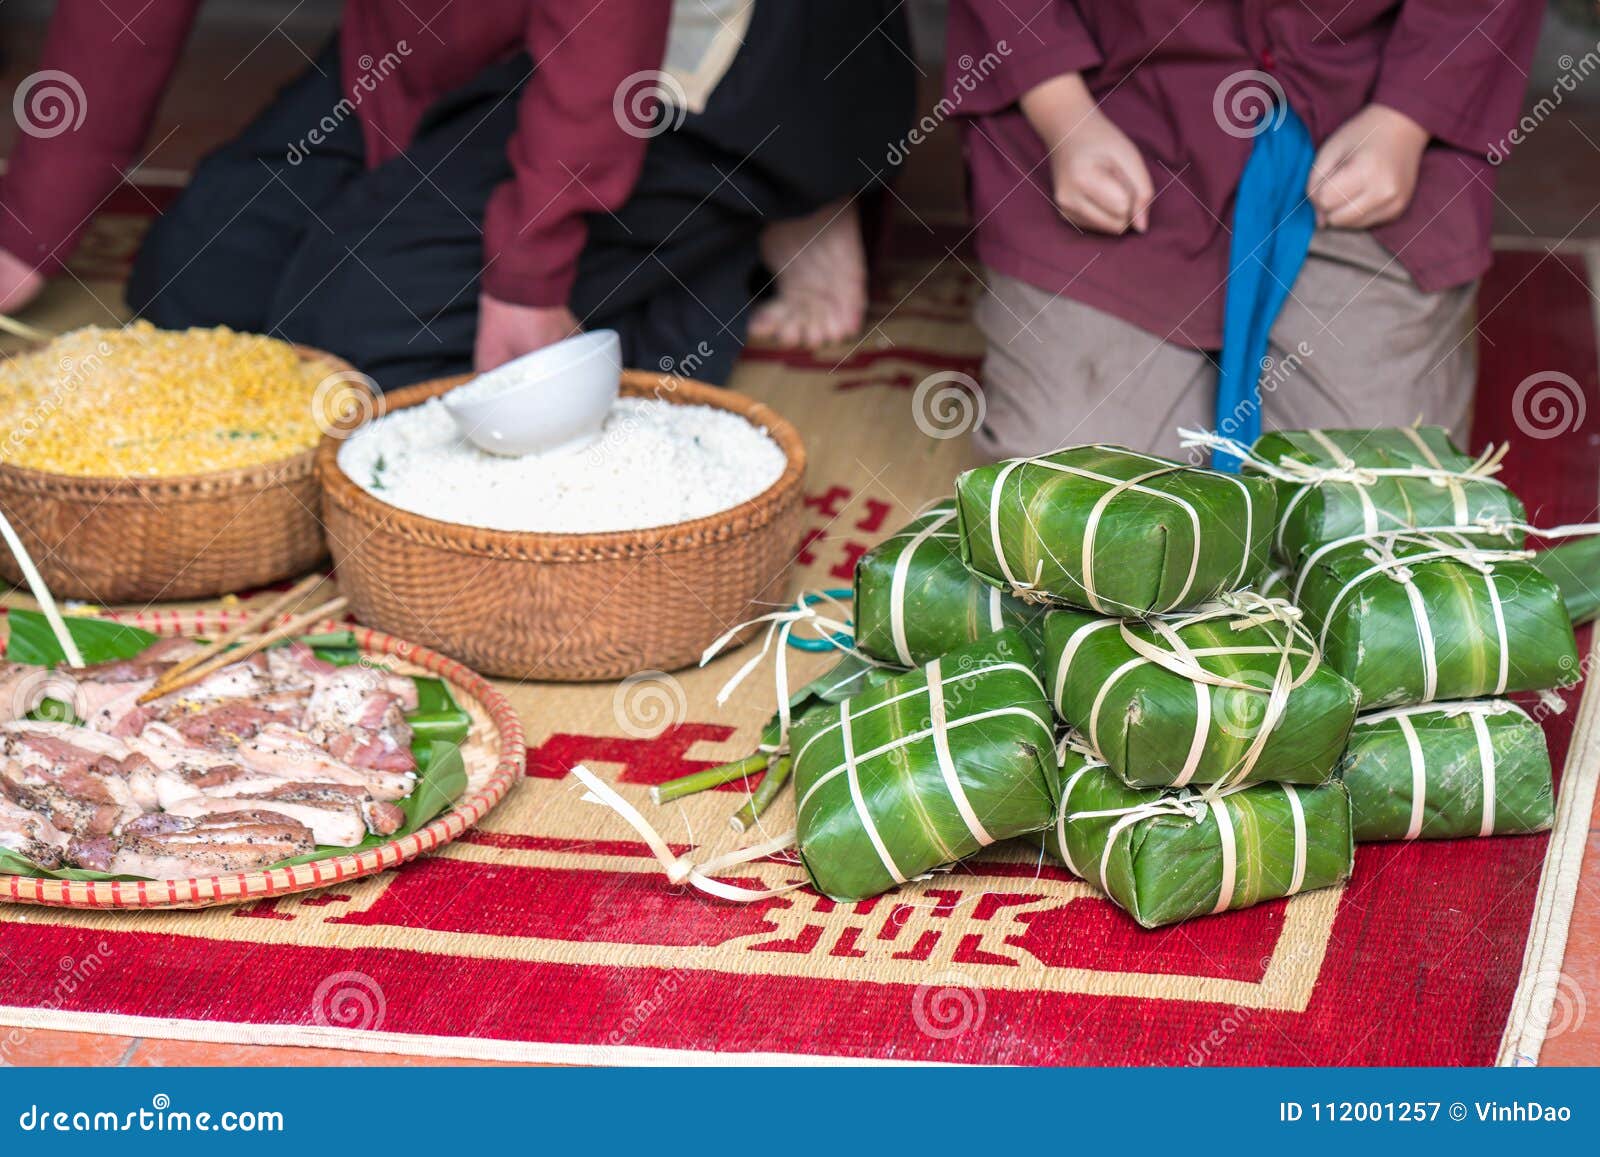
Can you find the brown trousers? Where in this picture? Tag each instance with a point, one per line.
(1357, 344)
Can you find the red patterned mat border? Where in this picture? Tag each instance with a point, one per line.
(238, 887)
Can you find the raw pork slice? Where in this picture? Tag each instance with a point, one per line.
(165, 847)
(358, 715)
(26, 832)
(291, 756)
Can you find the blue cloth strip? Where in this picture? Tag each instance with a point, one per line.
(1272, 227)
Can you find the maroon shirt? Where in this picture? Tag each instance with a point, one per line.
(569, 155)
(1456, 67)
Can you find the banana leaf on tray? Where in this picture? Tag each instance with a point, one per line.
(924, 769)
(1168, 856)
(1235, 693)
(1336, 483)
(1412, 618)
(915, 599)
(1112, 530)
(1474, 768)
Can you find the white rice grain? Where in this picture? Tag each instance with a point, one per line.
(655, 463)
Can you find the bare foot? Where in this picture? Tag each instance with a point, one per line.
(820, 265)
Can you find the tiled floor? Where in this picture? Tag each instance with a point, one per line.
(1546, 190)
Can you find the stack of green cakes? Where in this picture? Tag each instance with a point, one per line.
(1198, 689)
(1202, 728)
(1406, 558)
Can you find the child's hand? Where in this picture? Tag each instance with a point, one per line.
(1365, 173)
(1098, 176)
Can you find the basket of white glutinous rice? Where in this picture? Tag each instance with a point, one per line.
(633, 554)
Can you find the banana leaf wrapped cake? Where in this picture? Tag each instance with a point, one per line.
(916, 600)
(1167, 856)
(1411, 618)
(1234, 693)
(1475, 768)
(1275, 584)
(1333, 484)
(1112, 530)
(925, 769)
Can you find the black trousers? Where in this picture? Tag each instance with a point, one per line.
(381, 265)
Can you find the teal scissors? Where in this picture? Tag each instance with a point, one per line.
(838, 641)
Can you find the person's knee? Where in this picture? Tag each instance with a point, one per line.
(186, 271)
(375, 307)
(170, 246)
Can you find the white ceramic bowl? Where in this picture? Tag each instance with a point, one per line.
(555, 398)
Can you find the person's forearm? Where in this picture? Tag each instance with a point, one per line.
(1055, 107)
(572, 153)
(1459, 67)
(101, 75)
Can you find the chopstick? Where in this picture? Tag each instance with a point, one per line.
(23, 330)
(211, 666)
(41, 592)
(248, 626)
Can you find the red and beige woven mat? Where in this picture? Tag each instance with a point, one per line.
(548, 933)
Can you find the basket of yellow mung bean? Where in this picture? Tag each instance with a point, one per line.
(140, 464)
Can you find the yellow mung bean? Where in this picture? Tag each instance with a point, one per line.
(145, 401)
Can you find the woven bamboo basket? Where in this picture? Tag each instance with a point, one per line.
(183, 536)
(567, 607)
(494, 754)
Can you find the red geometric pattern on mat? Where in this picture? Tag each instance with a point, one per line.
(842, 546)
(644, 760)
(569, 904)
(1424, 951)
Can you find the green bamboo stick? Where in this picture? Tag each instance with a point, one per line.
(761, 799)
(698, 781)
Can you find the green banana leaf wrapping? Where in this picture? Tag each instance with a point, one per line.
(1575, 568)
(1434, 485)
(1427, 772)
(1188, 699)
(1414, 618)
(925, 769)
(916, 600)
(1276, 583)
(1117, 532)
(1168, 856)
(849, 676)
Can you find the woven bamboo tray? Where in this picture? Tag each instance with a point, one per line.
(494, 754)
(184, 536)
(568, 607)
